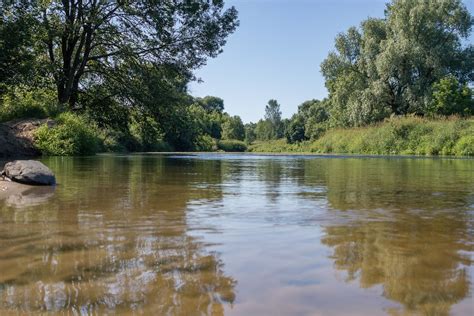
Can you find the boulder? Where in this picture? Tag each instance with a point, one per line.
(29, 172)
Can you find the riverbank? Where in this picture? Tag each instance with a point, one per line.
(397, 136)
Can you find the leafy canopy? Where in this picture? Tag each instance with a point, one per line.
(388, 66)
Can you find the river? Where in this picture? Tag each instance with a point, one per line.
(223, 234)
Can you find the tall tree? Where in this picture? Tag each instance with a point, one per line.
(86, 40)
(390, 65)
(273, 116)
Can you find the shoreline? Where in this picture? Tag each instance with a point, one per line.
(282, 154)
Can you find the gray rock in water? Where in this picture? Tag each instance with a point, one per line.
(29, 172)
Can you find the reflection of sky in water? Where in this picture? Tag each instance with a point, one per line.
(243, 235)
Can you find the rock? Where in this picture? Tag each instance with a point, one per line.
(29, 172)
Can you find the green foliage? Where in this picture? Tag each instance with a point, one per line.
(210, 104)
(22, 102)
(396, 136)
(206, 122)
(146, 134)
(18, 60)
(388, 66)
(273, 128)
(104, 36)
(250, 135)
(73, 135)
(231, 145)
(276, 146)
(310, 122)
(465, 145)
(233, 128)
(295, 131)
(264, 130)
(450, 97)
(204, 143)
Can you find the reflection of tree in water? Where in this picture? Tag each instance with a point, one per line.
(418, 261)
(120, 245)
(411, 234)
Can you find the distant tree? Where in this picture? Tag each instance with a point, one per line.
(317, 117)
(250, 135)
(264, 130)
(389, 65)
(310, 122)
(451, 97)
(210, 103)
(273, 116)
(295, 131)
(233, 128)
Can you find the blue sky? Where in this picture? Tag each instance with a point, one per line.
(277, 50)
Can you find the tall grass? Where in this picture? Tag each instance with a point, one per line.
(396, 136)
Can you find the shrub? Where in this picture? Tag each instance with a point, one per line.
(73, 135)
(21, 102)
(232, 145)
(465, 146)
(204, 143)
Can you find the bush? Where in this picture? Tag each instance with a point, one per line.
(73, 135)
(21, 102)
(231, 145)
(465, 146)
(204, 143)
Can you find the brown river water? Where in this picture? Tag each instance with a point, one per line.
(217, 234)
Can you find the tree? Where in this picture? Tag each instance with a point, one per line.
(264, 130)
(233, 128)
(295, 131)
(317, 117)
(250, 135)
(210, 103)
(389, 65)
(85, 41)
(273, 117)
(451, 97)
(310, 122)
(18, 62)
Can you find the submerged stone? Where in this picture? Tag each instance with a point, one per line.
(29, 172)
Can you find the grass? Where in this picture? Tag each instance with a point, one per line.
(396, 136)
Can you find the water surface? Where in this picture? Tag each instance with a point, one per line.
(242, 235)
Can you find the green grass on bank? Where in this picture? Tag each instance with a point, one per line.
(75, 135)
(396, 136)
